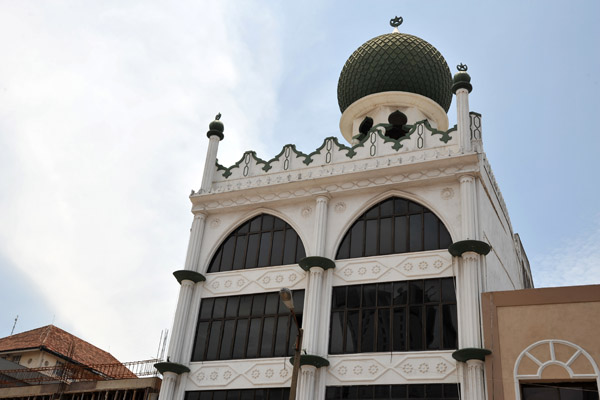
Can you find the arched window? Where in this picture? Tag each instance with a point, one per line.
(394, 225)
(263, 241)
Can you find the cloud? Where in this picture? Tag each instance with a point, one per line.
(575, 261)
(104, 110)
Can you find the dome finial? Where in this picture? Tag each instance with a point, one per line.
(396, 22)
(218, 117)
(462, 67)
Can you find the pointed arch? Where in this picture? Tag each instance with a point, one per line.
(262, 241)
(394, 225)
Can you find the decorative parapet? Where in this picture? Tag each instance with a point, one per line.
(475, 125)
(421, 136)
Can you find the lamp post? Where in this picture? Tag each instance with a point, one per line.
(286, 296)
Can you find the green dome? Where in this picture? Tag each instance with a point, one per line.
(395, 62)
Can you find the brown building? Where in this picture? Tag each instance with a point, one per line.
(50, 363)
(544, 343)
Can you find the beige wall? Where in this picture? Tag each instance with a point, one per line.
(515, 320)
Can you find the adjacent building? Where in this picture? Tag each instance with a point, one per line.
(543, 343)
(48, 363)
(387, 241)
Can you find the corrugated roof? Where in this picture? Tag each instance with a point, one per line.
(65, 344)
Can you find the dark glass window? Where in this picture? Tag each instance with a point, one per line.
(263, 241)
(250, 326)
(560, 391)
(240, 394)
(394, 226)
(435, 391)
(394, 316)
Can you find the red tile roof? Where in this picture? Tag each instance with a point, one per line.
(56, 340)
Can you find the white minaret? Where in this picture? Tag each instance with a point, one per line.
(175, 370)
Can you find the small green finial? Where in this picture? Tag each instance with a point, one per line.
(461, 79)
(216, 128)
(396, 22)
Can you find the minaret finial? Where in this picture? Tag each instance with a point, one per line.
(396, 22)
(462, 67)
(218, 117)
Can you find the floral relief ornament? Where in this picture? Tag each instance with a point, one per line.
(306, 211)
(447, 193)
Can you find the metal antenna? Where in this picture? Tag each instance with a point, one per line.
(162, 353)
(15, 324)
(159, 342)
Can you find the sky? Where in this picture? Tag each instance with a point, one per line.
(104, 108)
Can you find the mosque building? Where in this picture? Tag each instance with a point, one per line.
(386, 242)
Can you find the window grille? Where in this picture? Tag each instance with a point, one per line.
(411, 315)
(249, 326)
(393, 226)
(263, 241)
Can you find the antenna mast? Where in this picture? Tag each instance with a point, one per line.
(15, 324)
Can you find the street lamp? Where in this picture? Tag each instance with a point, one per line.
(286, 296)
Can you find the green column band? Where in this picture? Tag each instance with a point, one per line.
(167, 366)
(309, 359)
(476, 246)
(187, 275)
(470, 353)
(308, 262)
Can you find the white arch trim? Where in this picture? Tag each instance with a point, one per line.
(579, 352)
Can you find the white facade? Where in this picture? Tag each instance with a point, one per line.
(320, 195)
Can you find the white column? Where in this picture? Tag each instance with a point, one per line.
(320, 225)
(313, 313)
(183, 304)
(167, 386)
(188, 296)
(209, 164)
(311, 316)
(196, 233)
(192, 319)
(185, 292)
(474, 380)
(469, 304)
(468, 207)
(179, 391)
(306, 387)
(188, 339)
(463, 120)
(468, 289)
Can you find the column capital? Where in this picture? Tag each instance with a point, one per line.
(466, 178)
(322, 198)
(200, 216)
